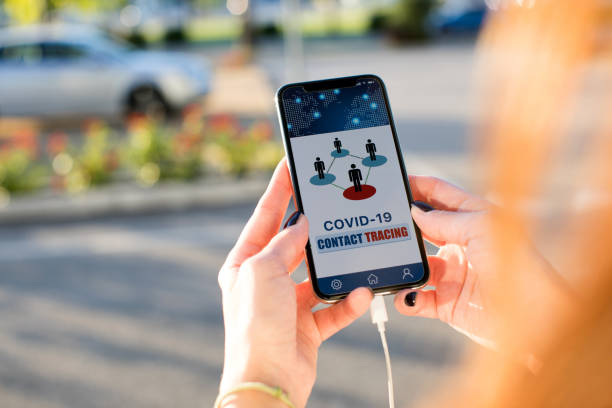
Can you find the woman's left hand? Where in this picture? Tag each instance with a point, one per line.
(271, 333)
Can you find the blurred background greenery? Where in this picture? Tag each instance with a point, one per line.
(206, 20)
(175, 142)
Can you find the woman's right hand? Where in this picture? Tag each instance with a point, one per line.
(463, 271)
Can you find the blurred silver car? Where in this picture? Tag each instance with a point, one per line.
(71, 70)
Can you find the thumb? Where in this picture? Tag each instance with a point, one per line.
(450, 227)
(287, 247)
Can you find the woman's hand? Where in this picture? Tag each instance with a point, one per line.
(271, 333)
(463, 270)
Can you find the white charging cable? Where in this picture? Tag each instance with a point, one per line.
(378, 310)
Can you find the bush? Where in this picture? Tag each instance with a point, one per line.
(77, 169)
(18, 174)
(268, 30)
(379, 21)
(231, 149)
(175, 35)
(137, 39)
(151, 152)
(19, 171)
(220, 145)
(155, 153)
(406, 20)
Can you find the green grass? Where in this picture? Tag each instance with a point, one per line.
(216, 28)
(342, 22)
(315, 24)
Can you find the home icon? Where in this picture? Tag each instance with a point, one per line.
(373, 279)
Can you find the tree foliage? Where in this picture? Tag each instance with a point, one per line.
(32, 11)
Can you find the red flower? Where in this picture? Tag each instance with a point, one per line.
(57, 143)
(5, 148)
(92, 126)
(262, 131)
(111, 161)
(137, 121)
(183, 143)
(57, 183)
(192, 112)
(26, 139)
(224, 123)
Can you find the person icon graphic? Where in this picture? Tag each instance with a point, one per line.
(338, 145)
(356, 177)
(319, 167)
(371, 148)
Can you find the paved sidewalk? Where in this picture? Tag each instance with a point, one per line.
(126, 312)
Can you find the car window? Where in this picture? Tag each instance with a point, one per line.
(23, 54)
(62, 52)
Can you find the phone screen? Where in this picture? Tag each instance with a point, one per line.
(352, 189)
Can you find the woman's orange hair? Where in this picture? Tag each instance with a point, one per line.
(545, 141)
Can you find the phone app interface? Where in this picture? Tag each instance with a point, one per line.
(350, 180)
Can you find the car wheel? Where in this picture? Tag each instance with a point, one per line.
(147, 101)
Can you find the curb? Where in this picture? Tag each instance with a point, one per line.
(127, 199)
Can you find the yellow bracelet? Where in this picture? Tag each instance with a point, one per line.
(275, 392)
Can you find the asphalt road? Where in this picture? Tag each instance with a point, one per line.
(125, 312)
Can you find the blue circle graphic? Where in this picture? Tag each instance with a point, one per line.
(343, 152)
(380, 160)
(328, 179)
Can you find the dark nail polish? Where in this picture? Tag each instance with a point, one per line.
(423, 206)
(410, 299)
(293, 218)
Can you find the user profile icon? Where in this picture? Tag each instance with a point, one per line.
(336, 284)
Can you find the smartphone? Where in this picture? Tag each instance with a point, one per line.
(349, 179)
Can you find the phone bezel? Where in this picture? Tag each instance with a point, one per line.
(333, 83)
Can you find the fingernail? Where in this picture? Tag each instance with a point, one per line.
(293, 219)
(370, 290)
(423, 206)
(410, 299)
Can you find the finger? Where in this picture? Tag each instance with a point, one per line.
(267, 217)
(444, 195)
(424, 304)
(306, 298)
(430, 239)
(437, 268)
(283, 252)
(448, 226)
(448, 273)
(334, 318)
